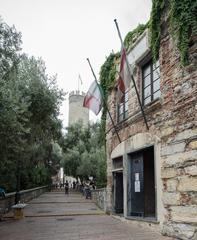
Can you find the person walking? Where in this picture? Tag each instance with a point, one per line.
(66, 187)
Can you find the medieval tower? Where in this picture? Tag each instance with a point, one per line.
(76, 110)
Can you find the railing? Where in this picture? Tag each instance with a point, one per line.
(99, 196)
(25, 196)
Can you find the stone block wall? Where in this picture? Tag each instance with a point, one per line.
(179, 141)
(99, 196)
(25, 196)
(173, 120)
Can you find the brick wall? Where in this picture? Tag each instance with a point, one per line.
(173, 120)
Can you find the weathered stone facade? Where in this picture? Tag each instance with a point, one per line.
(172, 121)
(99, 197)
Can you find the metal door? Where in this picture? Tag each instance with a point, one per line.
(137, 185)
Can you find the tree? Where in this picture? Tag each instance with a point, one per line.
(29, 109)
(84, 153)
(44, 126)
(10, 46)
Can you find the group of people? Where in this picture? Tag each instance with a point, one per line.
(84, 187)
(61, 186)
(66, 186)
(74, 185)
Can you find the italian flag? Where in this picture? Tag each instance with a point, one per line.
(124, 77)
(93, 98)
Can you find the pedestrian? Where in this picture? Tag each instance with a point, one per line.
(61, 186)
(87, 191)
(66, 187)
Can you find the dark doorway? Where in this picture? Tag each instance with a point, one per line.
(149, 183)
(118, 192)
(141, 185)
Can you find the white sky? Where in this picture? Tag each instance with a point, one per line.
(65, 32)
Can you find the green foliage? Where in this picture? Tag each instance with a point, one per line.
(101, 167)
(84, 153)
(10, 41)
(29, 108)
(134, 34)
(44, 97)
(107, 73)
(155, 26)
(107, 81)
(183, 22)
(75, 142)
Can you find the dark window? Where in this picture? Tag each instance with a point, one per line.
(123, 108)
(151, 82)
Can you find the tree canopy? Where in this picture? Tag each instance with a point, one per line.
(29, 108)
(84, 153)
(32, 145)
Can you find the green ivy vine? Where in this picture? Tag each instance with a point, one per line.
(183, 22)
(108, 72)
(155, 27)
(132, 36)
(107, 80)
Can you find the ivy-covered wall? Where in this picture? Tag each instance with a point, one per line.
(182, 23)
(182, 20)
(107, 80)
(182, 17)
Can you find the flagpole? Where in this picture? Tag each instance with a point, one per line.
(78, 84)
(79, 81)
(104, 100)
(131, 75)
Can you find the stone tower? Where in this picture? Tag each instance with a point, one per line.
(76, 110)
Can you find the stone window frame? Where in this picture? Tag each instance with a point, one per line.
(124, 106)
(154, 94)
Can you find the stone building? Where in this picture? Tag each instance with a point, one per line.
(76, 110)
(152, 174)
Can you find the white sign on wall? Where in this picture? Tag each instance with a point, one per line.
(137, 186)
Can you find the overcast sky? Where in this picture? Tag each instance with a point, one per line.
(65, 32)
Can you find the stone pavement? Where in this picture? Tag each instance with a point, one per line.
(56, 216)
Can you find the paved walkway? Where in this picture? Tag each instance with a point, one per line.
(56, 216)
